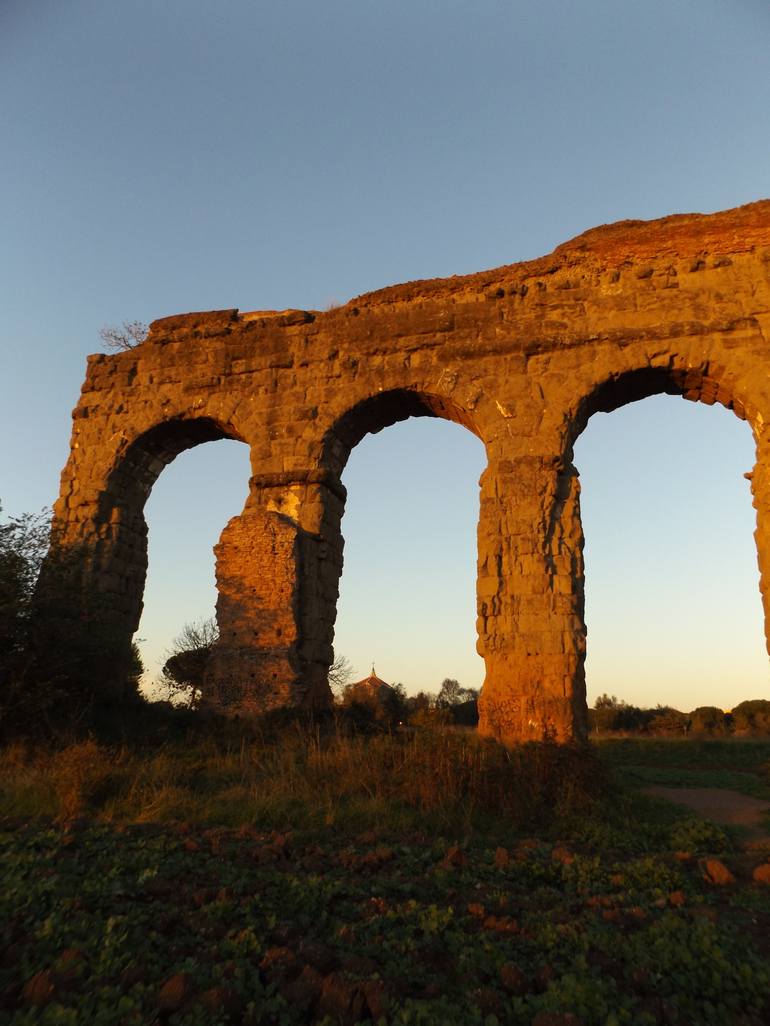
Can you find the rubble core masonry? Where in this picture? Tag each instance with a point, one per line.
(521, 356)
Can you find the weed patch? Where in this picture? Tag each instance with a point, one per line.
(306, 780)
(109, 925)
(332, 880)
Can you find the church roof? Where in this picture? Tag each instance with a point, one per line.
(371, 683)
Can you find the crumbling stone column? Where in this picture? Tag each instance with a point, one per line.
(277, 571)
(530, 602)
(254, 665)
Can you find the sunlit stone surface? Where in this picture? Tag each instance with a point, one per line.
(521, 355)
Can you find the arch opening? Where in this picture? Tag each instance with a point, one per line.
(407, 596)
(185, 513)
(163, 571)
(138, 468)
(703, 384)
(373, 414)
(672, 598)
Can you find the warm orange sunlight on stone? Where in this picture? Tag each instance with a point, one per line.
(522, 356)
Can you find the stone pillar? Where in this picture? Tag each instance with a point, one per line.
(530, 602)
(321, 557)
(760, 489)
(277, 570)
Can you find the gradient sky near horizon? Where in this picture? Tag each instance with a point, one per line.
(183, 155)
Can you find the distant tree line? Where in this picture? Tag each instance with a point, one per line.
(611, 715)
(389, 706)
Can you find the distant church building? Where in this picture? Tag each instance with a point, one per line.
(375, 694)
(371, 687)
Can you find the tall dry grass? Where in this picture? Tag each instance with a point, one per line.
(304, 779)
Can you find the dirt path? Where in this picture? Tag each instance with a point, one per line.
(728, 808)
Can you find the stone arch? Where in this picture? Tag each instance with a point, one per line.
(138, 465)
(91, 592)
(534, 600)
(382, 409)
(369, 414)
(700, 383)
(119, 561)
(696, 382)
(129, 483)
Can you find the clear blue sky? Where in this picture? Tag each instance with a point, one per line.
(163, 157)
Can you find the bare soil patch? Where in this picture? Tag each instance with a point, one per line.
(723, 806)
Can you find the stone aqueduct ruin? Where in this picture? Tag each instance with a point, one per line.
(521, 356)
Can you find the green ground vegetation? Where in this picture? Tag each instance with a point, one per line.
(304, 875)
(740, 764)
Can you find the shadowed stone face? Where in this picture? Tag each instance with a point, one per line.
(522, 356)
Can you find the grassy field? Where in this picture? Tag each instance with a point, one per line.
(305, 877)
(741, 764)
